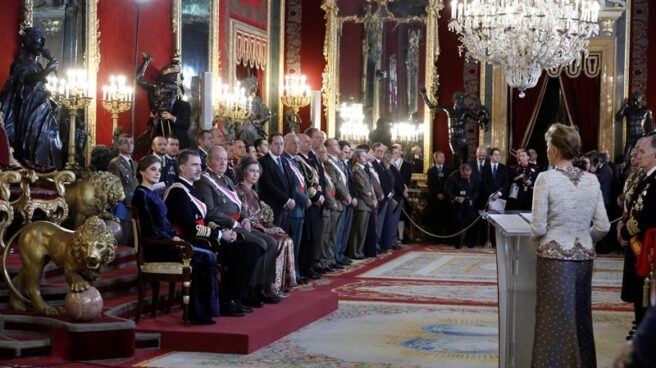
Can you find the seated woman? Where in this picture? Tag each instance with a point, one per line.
(248, 173)
(204, 301)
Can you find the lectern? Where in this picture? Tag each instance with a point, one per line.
(516, 262)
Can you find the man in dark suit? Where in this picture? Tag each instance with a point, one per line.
(347, 218)
(633, 228)
(462, 192)
(384, 207)
(301, 197)
(606, 177)
(276, 187)
(437, 201)
(204, 143)
(311, 240)
(479, 163)
(401, 171)
(495, 177)
(224, 208)
(176, 122)
(187, 212)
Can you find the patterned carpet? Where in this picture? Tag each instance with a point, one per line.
(414, 308)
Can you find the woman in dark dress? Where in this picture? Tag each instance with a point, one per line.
(204, 299)
(521, 190)
(248, 173)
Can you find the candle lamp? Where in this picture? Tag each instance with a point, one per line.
(353, 128)
(295, 95)
(231, 102)
(117, 98)
(73, 94)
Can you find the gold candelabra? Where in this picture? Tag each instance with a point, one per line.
(232, 102)
(295, 95)
(117, 98)
(72, 94)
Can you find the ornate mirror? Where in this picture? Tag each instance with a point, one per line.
(71, 28)
(376, 53)
(195, 25)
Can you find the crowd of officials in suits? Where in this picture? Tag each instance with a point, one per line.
(283, 211)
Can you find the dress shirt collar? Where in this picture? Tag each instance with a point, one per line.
(274, 157)
(185, 181)
(651, 171)
(126, 158)
(169, 157)
(361, 166)
(162, 158)
(202, 150)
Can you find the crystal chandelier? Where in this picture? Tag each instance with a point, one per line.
(525, 36)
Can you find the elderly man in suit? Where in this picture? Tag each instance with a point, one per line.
(301, 199)
(225, 209)
(276, 187)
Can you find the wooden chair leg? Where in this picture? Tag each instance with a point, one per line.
(171, 296)
(155, 302)
(140, 299)
(186, 283)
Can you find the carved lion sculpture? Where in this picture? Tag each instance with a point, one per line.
(92, 195)
(81, 254)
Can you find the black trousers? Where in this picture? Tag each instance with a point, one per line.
(238, 259)
(311, 240)
(462, 217)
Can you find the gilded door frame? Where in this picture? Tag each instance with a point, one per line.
(330, 77)
(606, 47)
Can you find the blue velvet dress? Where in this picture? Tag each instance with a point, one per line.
(204, 299)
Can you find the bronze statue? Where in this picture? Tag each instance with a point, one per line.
(639, 120)
(170, 114)
(92, 195)
(457, 119)
(30, 115)
(252, 127)
(82, 254)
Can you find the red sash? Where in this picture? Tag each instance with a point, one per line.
(647, 257)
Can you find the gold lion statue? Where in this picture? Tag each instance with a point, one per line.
(82, 255)
(92, 195)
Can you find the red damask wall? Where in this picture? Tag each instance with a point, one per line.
(10, 18)
(118, 20)
(643, 52)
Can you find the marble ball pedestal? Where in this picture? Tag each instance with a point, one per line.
(84, 306)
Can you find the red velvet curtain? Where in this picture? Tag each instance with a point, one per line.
(524, 112)
(581, 95)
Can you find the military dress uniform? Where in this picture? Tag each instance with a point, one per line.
(641, 217)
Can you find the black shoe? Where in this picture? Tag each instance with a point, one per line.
(252, 301)
(231, 309)
(267, 298)
(347, 262)
(302, 280)
(357, 258)
(244, 308)
(396, 247)
(458, 246)
(337, 266)
(320, 270)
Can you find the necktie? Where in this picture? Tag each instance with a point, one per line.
(280, 165)
(367, 170)
(494, 171)
(480, 165)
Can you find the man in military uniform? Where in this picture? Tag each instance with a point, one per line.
(169, 168)
(225, 209)
(641, 217)
(125, 168)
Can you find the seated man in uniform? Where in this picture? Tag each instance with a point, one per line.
(187, 212)
(224, 208)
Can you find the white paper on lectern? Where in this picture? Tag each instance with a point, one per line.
(512, 223)
(527, 216)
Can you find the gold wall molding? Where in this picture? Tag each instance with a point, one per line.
(331, 53)
(248, 46)
(604, 48)
(213, 56)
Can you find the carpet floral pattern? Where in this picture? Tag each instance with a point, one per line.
(420, 307)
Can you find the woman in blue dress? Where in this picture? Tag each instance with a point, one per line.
(204, 300)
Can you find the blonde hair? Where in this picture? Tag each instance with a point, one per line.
(566, 139)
